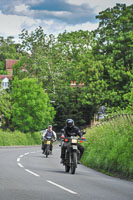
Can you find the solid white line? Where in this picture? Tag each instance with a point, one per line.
(20, 165)
(62, 187)
(32, 172)
(18, 159)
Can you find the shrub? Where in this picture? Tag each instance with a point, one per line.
(110, 147)
(8, 138)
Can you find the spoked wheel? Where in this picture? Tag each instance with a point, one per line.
(74, 162)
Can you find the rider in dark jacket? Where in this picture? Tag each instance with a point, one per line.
(71, 130)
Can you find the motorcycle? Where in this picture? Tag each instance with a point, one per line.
(72, 153)
(47, 142)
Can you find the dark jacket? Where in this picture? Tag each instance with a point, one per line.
(74, 131)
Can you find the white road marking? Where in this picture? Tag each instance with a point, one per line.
(31, 172)
(20, 165)
(26, 153)
(18, 159)
(37, 175)
(62, 187)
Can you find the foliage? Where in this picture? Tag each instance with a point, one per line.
(8, 138)
(31, 109)
(100, 59)
(129, 98)
(8, 50)
(5, 106)
(4, 72)
(113, 47)
(109, 147)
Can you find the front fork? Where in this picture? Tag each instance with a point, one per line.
(69, 154)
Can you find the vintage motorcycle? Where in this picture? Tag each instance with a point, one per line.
(47, 143)
(72, 154)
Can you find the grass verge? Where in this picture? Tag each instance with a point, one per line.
(109, 148)
(8, 138)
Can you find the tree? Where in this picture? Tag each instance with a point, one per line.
(129, 99)
(58, 63)
(40, 58)
(113, 48)
(5, 107)
(8, 50)
(31, 108)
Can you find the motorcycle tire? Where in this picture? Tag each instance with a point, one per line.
(47, 152)
(74, 162)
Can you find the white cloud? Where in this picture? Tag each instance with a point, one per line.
(60, 13)
(78, 2)
(12, 25)
(21, 8)
(100, 5)
(52, 13)
(85, 26)
(57, 28)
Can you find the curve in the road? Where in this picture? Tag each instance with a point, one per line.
(37, 175)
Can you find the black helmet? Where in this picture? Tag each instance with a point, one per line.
(69, 123)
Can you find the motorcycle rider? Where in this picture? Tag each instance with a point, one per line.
(71, 130)
(45, 133)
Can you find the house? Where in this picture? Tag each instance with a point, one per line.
(73, 84)
(5, 78)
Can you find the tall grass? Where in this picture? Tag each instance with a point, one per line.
(8, 138)
(109, 148)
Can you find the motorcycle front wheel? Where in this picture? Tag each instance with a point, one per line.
(47, 151)
(74, 162)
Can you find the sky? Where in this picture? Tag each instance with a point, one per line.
(54, 16)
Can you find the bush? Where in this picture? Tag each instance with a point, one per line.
(8, 138)
(109, 148)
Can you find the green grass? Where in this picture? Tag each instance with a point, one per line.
(8, 138)
(109, 148)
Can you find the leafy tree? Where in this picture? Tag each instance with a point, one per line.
(67, 59)
(100, 59)
(40, 59)
(129, 99)
(5, 107)
(8, 50)
(68, 106)
(113, 48)
(31, 109)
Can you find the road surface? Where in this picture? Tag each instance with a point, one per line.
(25, 174)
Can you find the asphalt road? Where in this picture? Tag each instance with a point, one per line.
(25, 174)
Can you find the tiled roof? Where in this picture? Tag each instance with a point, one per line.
(10, 63)
(5, 76)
